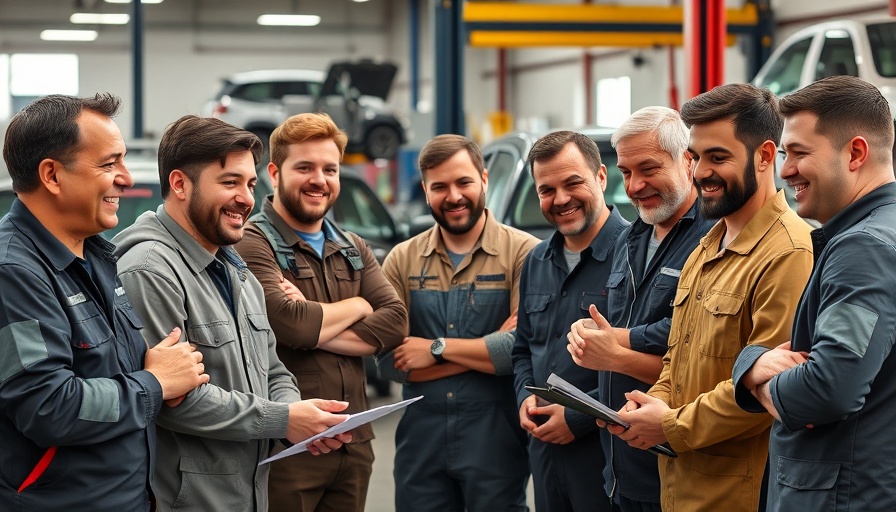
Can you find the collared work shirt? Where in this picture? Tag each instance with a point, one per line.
(72, 386)
(833, 448)
(726, 300)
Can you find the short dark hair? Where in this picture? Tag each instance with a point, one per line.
(753, 111)
(443, 147)
(553, 143)
(845, 106)
(48, 128)
(193, 142)
(302, 127)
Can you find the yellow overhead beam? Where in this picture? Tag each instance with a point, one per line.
(522, 39)
(489, 12)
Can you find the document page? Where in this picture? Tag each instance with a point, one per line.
(353, 421)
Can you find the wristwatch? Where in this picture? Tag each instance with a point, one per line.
(436, 349)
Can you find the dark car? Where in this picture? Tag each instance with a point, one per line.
(511, 191)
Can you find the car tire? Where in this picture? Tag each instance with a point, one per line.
(382, 141)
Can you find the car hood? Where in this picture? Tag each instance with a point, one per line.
(369, 78)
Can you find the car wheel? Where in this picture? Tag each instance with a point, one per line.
(382, 142)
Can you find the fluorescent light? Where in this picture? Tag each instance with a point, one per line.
(129, 1)
(289, 20)
(101, 19)
(359, 1)
(68, 35)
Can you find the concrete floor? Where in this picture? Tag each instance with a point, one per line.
(380, 496)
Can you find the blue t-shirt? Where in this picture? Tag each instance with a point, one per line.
(315, 240)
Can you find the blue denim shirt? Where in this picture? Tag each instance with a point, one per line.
(833, 448)
(640, 298)
(551, 299)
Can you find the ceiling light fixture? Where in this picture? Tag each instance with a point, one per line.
(129, 1)
(99, 19)
(289, 20)
(68, 35)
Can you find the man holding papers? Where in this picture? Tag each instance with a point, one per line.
(177, 265)
(652, 150)
(561, 278)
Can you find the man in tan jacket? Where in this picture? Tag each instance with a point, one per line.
(739, 287)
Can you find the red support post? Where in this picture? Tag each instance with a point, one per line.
(502, 79)
(705, 27)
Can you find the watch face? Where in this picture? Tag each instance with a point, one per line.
(438, 346)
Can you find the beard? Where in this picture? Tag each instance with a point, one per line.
(293, 204)
(589, 211)
(206, 218)
(671, 201)
(459, 228)
(734, 195)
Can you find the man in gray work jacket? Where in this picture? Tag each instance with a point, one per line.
(652, 150)
(833, 388)
(178, 264)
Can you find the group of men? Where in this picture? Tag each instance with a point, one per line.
(157, 372)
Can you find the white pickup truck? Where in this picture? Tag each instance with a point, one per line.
(862, 48)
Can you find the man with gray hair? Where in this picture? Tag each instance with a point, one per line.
(652, 147)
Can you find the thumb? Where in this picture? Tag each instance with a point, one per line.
(638, 396)
(329, 405)
(172, 338)
(598, 318)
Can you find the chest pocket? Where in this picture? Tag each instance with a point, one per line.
(90, 329)
(260, 332)
(662, 293)
(724, 319)
(484, 310)
(536, 302)
(617, 296)
(212, 335)
(589, 298)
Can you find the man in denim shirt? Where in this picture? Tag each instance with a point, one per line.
(460, 447)
(832, 388)
(564, 276)
(652, 147)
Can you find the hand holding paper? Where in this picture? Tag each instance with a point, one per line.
(351, 421)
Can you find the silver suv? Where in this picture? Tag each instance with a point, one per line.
(352, 93)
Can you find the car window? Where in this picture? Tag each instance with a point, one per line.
(258, 91)
(300, 88)
(838, 56)
(882, 39)
(784, 75)
(357, 209)
(525, 212)
(501, 168)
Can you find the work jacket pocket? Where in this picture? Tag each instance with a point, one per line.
(204, 482)
(90, 329)
(214, 335)
(808, 484)
(722, 324)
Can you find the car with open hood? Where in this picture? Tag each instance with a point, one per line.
(353, 93)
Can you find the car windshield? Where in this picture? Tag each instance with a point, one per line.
(882, 39)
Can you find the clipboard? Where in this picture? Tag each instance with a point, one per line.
(563, 393)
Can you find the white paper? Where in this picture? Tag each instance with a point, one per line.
(353, 421)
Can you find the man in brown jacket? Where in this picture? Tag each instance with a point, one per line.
(328, 303)
(739, 287)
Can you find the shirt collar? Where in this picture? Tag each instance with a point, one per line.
(753, 232)
(852, 214)
(192, 251)
(59, 255)
(599, 247)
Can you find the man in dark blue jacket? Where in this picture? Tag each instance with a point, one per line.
(79, 389)
(561, 278)
(833, 386)
(652, 146)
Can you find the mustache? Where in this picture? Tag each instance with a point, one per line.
(710, 181)
(461, 204)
